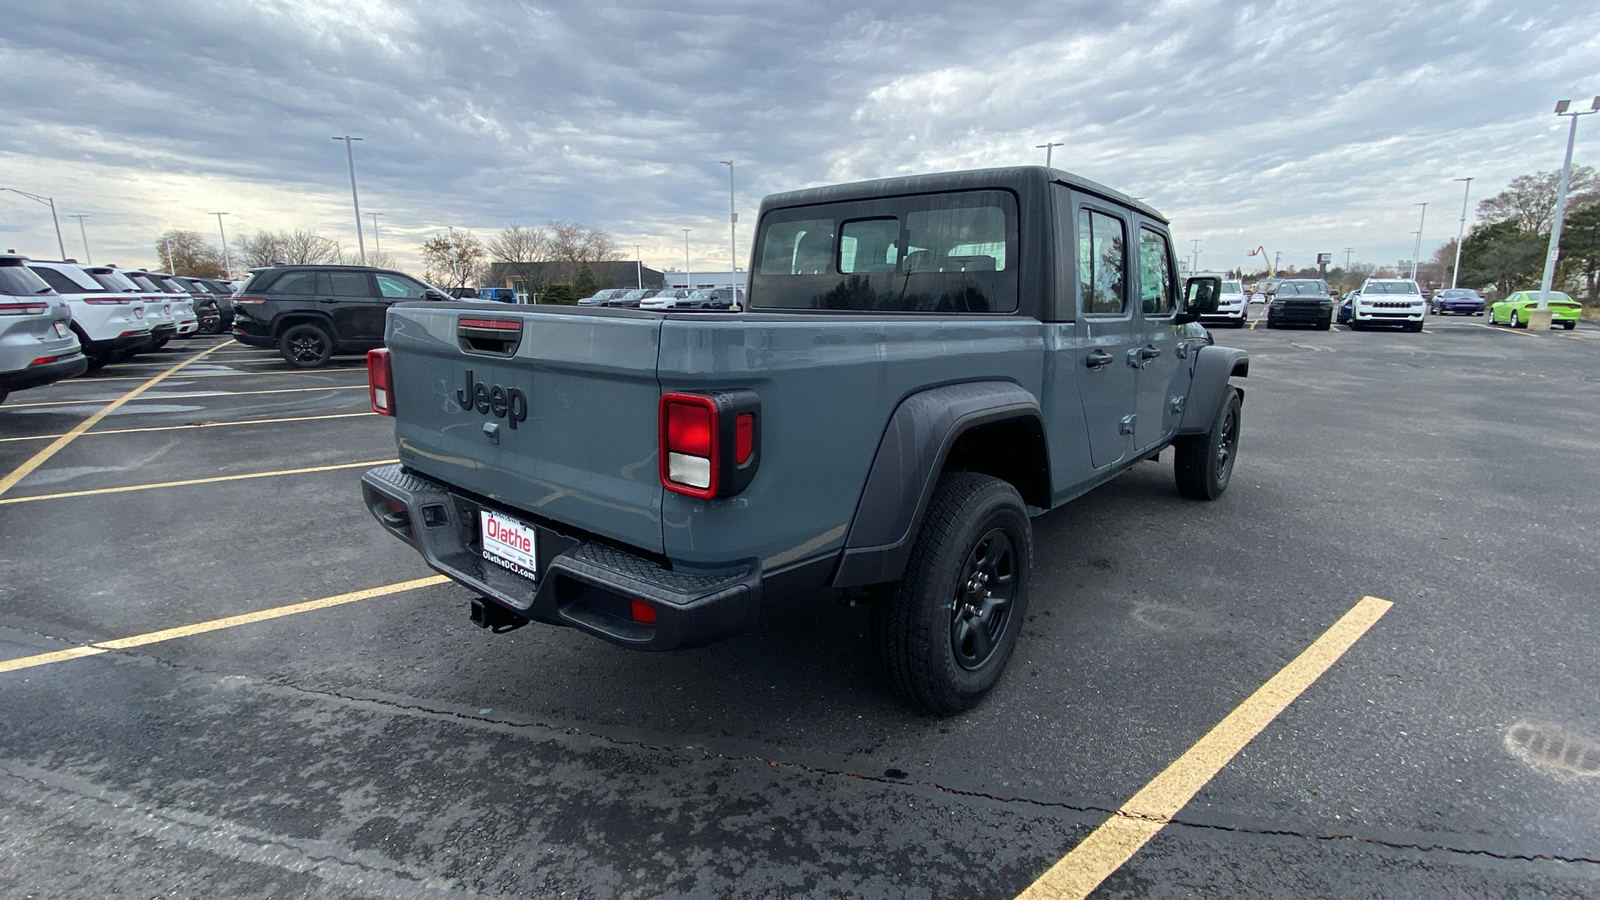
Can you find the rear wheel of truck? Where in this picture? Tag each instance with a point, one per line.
(945, 632)
(305, 346)
(1203, 463)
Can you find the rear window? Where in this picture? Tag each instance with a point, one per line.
(113, 280)
(67, 282)
(933, 253)
(19, 281)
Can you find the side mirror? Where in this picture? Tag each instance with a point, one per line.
(431, 294)
(1201, 294)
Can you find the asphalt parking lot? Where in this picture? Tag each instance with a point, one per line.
(218, 677)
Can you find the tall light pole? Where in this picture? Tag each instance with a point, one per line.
(1347, 252)
(227, 260)
(638, 266)
(733, 240)
(1564, 108)
(1461, 230)
(1047, 148)
(377, 246)
(84, 234)
(350, 156)
(1418, 249)
(51, 202)
(1194, 258)
(686, 279)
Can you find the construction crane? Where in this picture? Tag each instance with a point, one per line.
(1272, 271)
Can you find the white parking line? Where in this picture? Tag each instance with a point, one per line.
(194, 425)
(195, 395)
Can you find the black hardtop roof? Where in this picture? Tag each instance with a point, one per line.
(1016, 178)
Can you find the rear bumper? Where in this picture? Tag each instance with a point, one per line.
(121, 342)
(580, 583)
(45, 373)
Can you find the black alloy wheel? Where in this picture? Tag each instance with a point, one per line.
(981, 608)
(946, 630)
(306, 346)
(1203, 463)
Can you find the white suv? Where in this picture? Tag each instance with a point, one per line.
(1388, 301)
(109, 324)
(37, 345)
(1231, 305)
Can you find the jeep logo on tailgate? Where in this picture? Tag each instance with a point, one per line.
(510, 404)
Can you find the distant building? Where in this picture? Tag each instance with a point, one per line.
(676, 279)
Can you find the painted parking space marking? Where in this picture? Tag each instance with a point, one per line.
(237, 373)
(197, 395)
(1111, 845)
(6, 501)
(265, 615)
(194, 425)
(38, 459)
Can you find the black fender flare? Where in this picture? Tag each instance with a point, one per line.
(905, 471)
(1209, 386)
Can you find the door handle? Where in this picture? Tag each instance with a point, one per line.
(1149, 352)
(327, 300)
(1097, 358)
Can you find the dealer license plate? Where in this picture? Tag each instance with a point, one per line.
(508, 543)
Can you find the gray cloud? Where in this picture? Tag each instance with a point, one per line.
(1303, 126)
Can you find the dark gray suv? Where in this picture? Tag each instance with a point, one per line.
(311, 313)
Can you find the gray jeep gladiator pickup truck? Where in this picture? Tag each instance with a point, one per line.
(923, 364)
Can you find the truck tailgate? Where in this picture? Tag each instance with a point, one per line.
(578, 448)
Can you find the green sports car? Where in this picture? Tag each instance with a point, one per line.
(1514, 310)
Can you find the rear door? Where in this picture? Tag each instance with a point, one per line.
(352, 299)
(1106, 350)
(1156, 351)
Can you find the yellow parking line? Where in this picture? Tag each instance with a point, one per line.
(188, 481)
(38, 459)
(156, 637)
(1152, 808)
(192, 395)
(42, 437)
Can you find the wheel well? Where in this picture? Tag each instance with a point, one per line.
(1241, 369)
(1012, 451)
(291, 320)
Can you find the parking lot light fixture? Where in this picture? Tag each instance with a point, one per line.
(87, 257)
(1461, 231)
(1563, 108)
(354, 197)
(638, 266)
(51, 202)
(377, 246)
(686, 278)
(1418, 248)
(227, 261)
(733, 237)
(1047, 147)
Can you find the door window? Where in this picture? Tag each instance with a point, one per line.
(1157, 284)
(295, 283)
(344, 284)
(399, 287)
(1102, 264)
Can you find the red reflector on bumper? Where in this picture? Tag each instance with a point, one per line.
(643, 612)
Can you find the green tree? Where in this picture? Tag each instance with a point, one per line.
(1580, 251)
(1502, 255)
(561, 293)
(1530, 200)
(184, 252)
(585, 285)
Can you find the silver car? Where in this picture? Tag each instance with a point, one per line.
(37, 345)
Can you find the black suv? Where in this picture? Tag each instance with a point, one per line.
(311, 313)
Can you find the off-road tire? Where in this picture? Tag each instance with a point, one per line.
(1203, 463)
(306, 346)
(1325, 324)
(933, 652)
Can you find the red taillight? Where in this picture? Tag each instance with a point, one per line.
(105, 301)
(709, 442)
(238, 300)
(380, 381)
(643, 612)
(688, 453)
(22, 309)
(45, 359)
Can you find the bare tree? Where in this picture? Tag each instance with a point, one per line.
(453, 259)
(525, 251)
(188, 253)
(299, 247)
(1530, 200)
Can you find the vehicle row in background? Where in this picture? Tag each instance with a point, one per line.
(37, 345)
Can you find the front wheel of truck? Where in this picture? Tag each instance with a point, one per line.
(1203, 463)
(946, 631)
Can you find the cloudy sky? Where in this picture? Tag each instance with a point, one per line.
(1299, 126)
